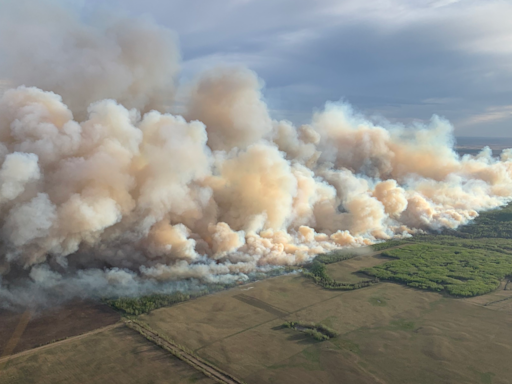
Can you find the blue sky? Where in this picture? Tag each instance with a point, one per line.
(403, 60)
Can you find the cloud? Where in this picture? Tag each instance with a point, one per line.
(385, 57)
(492, 114)
(48, 44)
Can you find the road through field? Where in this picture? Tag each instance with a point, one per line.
(190, 358)
(187, 357)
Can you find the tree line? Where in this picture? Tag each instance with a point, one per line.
(318, 272)
(318, 332)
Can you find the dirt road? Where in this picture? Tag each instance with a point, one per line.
(194, 361)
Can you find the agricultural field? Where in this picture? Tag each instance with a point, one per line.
(439, 311)
(116, 355)
(28, 330)
(388, 333)
(350, 270)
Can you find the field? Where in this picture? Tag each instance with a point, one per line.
(349, 270)
(389, 333)
(117, 355)
(36, 329)
(418, 324)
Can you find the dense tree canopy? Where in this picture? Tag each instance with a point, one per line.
(458, 270)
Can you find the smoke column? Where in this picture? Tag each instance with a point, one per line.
(102, 192)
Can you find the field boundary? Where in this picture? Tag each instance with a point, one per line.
(260, 304)
(5, 359)
(495, 301)
(317, 271)
(183, 354)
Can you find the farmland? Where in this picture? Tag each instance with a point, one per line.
(117, 355)
(41, 328)
(415, 325)
(387, 333)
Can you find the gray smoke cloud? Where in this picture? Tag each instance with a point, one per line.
(104, 193)
(47, 44)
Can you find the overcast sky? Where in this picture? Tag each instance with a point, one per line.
(404, 60)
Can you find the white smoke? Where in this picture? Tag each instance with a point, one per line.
(48, 44)
(125, 198)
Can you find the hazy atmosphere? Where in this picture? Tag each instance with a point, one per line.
(404, 60)
(399, 59)
(255, 192)
(144, 152)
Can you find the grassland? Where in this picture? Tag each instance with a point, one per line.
(384, 333)
(318, 272)
(54, 324)
(388, 333)
(350, 270)
(118, 355)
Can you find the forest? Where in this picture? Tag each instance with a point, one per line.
(457, 270)
(469, 261)
(491, 224)
(318, 272)
(144, 304)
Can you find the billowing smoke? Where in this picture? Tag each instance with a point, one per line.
(47, 44)
(102, 192)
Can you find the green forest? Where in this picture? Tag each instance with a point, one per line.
(318, 272)
(469, 261)
(457, 270)
(145, 304)
(491, 224)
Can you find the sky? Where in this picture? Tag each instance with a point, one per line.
(397, 59)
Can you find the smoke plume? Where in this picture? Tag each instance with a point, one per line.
(103, 192)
